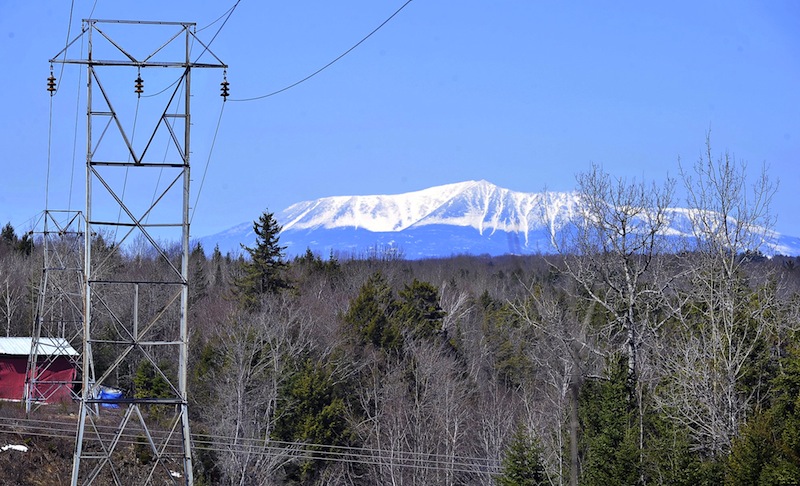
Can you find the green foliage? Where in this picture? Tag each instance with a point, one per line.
(314, 267)
(419, 309)
(505, 335)
(312, 410)
(264, 273)
(8, 235)
(198, 278)
(372, 314)
(150, 384)
(203, 371)
(609, 441)
(522, 463)
(669, 458)
(317, 264)
(767, 451)
(9, 240)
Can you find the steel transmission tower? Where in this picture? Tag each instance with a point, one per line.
(58, 323)
(135, 329)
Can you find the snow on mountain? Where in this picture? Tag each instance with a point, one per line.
(473, 217)
(372, 213)
(477, 204)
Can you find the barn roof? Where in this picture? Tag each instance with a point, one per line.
(21, 346)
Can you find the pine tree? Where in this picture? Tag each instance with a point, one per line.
(264, 272)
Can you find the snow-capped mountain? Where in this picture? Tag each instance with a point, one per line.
(474, 217)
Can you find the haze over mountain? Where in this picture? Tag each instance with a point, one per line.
(474, 217)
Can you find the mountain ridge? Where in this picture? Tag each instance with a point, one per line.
(471, 217)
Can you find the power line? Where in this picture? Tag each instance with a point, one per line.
(260, 447)
(69, 29)
(208, 162)
(49, 151)
(330, 63)
(227, 12)
(50, 122)
(208, 45)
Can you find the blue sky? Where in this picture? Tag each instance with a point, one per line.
(523, 94)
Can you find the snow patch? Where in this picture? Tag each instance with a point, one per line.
(14, 447)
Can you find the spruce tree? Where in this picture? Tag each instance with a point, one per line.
(264, 272)
(767, 451)
(372, 314)
(522, 464)
(419, 309)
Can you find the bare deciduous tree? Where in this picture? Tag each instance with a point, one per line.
(614, 249)
(565, 352)
(256, 351)
(724, 316)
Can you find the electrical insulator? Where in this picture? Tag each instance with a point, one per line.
(51, 84)
(139, 85)
(225, 91)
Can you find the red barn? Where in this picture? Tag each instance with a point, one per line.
(56, 371)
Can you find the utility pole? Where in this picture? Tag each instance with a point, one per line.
(133, 423)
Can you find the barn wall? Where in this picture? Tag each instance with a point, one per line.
(12, 376)
(12, 379)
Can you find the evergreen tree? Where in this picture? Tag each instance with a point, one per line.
(264, 273)
(522, 464)
(313, 410)
(768, 450)
(217, 262)
(419, 309)
(372, 314)
(150, 384)
(8, 236)
(198, 278)
(25, 245)
(10, 241)
(609, 440)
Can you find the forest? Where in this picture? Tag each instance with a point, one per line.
(625, 357)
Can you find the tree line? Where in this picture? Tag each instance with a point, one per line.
(626, 357)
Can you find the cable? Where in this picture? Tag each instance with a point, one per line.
(227, 12)
(208, 45)
(75, 129)
(208, 162)
(50, 123)
(168, 87)
(330, 63)
(49, 150)
(258, 446)
(125, 180)
(69, 29)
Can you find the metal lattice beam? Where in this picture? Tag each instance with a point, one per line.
(58, 322)
(135, 328)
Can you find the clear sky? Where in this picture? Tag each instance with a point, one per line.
(524, 94)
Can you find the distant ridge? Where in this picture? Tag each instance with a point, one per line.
(472, 217)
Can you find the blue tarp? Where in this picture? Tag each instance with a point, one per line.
(109, 394)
